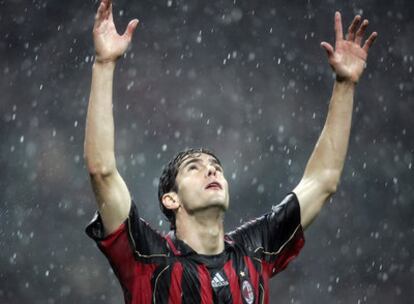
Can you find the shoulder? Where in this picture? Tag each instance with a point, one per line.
(143, 240)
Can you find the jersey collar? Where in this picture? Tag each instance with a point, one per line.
(180, 248)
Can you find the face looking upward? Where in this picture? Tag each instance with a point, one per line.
(201, 184)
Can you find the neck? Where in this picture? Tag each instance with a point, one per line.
(202, 230)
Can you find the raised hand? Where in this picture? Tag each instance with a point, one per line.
(348, 59)
(109, 45)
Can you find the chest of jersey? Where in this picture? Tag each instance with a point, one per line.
(227, 278)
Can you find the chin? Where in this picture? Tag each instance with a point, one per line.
(220, 204)
(213, 204)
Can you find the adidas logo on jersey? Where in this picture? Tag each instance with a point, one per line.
(218, 281)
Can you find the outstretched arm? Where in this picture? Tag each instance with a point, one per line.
(324, 167)
(111, 193)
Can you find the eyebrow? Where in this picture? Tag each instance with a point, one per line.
(198, 160)
(192, 160)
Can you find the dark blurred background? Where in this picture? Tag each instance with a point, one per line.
(245, 78)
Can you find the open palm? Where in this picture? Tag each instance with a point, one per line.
(109, 45)
(348, 60)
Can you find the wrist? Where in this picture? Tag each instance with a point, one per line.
(104, 64)
(345, 84)
(345, 80)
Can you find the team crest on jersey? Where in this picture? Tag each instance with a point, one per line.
(247, 292)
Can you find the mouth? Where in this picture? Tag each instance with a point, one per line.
(214, 185)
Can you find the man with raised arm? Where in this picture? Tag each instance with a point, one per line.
(196, 262)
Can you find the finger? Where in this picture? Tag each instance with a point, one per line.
(110, 16)
(353, 27)
(328, 48)
(361, 32)
(100, 11)
(108, 11)
(129, 31)
(99, 16)
(339, 35)
(368, 43)
(108, 4)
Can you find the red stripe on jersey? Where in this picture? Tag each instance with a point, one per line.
(127, 268)
(265, 276)
(206, 293)
(254, 277)
(234, 282)
(172, 246)
(175, 287)
(142, 289)
(293, 250)
(290, 251)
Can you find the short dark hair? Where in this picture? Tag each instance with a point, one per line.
(167, 182)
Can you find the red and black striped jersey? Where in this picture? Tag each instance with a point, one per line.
(153, 268)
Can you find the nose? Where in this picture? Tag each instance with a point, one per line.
(211, 170)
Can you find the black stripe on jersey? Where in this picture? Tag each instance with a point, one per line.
(241, 270)
(261, 290)
(238, 264)
(161, 284)
(221, 295)
(259, 268)
(190, 283)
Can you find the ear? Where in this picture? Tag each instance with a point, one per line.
(170, 201)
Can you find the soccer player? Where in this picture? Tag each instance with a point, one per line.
(196, 262)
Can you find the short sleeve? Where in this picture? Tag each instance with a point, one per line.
(134, 236)
(276, 237)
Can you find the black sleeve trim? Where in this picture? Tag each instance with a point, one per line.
(95, 229)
